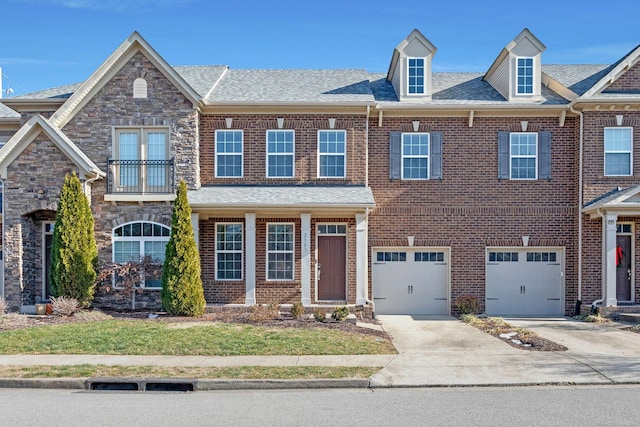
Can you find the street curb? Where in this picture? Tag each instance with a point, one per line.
(200, 385)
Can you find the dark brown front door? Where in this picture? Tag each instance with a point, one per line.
(623, 268)
(332, 268)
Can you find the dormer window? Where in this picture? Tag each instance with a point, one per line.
(416, 76)
(525, 76)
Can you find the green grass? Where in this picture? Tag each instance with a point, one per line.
(240, 372)
(126, 337)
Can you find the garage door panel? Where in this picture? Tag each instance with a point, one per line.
(411, 281)
(524, 282)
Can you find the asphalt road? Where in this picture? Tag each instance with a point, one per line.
(473, 406)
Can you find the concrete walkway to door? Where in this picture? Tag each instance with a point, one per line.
(442, 351)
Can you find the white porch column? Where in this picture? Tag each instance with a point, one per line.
(250, 258)
(361, 259)
(610, 260)
(305, 243)
(195, 223)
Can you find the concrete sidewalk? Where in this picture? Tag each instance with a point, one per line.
(433, 351)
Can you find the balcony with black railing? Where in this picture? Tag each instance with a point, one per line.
(131, 177)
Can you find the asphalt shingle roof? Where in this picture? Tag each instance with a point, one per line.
(56, 92)
(201, 77)
(304, 196)
(578, 78)
(266, 86)
(8, 113)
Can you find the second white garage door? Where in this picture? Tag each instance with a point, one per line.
(411, 280)
(524, 282)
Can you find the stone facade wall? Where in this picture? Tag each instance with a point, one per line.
(31, 187)
(470, 208)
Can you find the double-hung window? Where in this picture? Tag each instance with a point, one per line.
(415, 156)
(618, 158)
(523, 157)
(280, 246)
(141, 155)
(280, 153)
(135, 241)
(228, 251)
(524, 84)
(332, 153)
(415, 76)
(229, 153)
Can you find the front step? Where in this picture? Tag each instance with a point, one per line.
(629, 317)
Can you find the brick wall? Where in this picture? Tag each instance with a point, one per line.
(470, 208)
(628, 82)
(306, 147)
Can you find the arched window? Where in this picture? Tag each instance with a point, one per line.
(139, 88)
(134, 241)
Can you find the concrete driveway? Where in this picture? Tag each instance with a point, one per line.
(442, 351)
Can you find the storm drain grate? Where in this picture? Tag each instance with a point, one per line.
(113, 386)
(134, 384)
(169, 386)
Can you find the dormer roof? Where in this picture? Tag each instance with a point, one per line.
(503, 72)
(414, 46)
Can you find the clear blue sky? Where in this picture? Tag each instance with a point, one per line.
(47, 43)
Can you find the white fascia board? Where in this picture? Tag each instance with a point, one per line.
(612, 75)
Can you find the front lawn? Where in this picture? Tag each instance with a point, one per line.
(130, 337)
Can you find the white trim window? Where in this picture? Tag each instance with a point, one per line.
(280, 153)
(134, 241)
(280, 248)
(415, 156)
(618, 151)
(524, 76)
(523, 155)
(228, 251)
(141, 152)
(415, 76)
(229, 153)
(332, 153)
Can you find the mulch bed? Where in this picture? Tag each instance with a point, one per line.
(522, 339)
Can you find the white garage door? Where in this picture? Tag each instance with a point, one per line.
(411, 281)
(524, 282)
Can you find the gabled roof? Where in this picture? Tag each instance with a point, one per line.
(134, 44)
(30, 131)
(413, 36)
(202, 78)
(59, 92)
(618, 200)
(8, 113)
(524, 34)
(615, 71)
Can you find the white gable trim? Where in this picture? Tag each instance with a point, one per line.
(30, 131)
(415, 34)
(509, 47)
(629, 61)
(134, 44)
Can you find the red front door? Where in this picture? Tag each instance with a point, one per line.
(332, 265)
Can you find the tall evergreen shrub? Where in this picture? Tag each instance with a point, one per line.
(74, 254)
(182, 292)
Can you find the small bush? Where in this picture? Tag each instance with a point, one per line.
(468, 304)
(319, 315)
(297, 310)
(264, 313)
(64, 306)
(3, 307)
(340, 313)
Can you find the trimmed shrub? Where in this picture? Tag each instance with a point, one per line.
(74, 254)
(182, 293)
(63, 306)
(319, 314)
(264, 313)
(468, 304)
(297, 310)
(340, 313)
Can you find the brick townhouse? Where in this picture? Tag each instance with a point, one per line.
(397, 191)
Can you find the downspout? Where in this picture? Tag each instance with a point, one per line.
(366, 214)
(87, 185)
(580, 203)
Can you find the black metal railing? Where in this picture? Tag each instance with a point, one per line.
(141, 177)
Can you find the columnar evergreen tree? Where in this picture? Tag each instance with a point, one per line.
(74, 254)
(182, 292)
